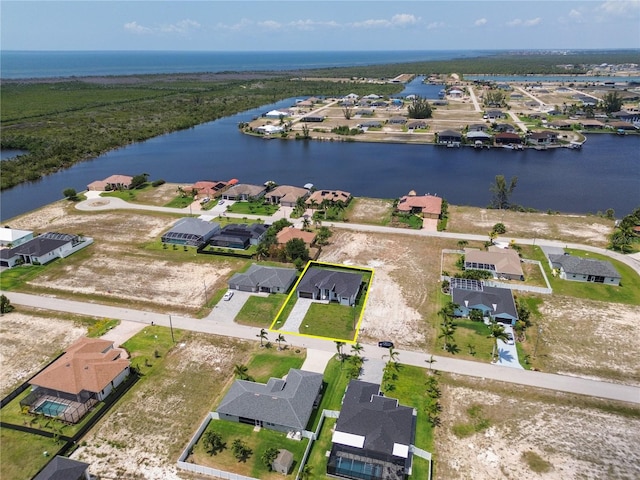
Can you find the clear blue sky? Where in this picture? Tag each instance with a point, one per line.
(318, 25)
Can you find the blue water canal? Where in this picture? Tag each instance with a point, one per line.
(604, 174)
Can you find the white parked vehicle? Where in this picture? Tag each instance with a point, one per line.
(227, 296)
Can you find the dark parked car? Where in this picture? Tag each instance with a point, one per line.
(385, 344)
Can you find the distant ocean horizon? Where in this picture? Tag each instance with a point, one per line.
(55, 64)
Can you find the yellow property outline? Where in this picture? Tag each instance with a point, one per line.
(293, 291)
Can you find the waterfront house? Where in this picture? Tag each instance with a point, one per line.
(455, 93)
(495, 303)
(417, 125)
(590, 124)
(280, 404)
(429, 206)
(286, 195)
(289, 233)
(84, 375)
(191, 232)
(43, 249)
(270, 129)
(501, 262)
(114, 182)
(373, 434)
(506, 138)
(313, 118)
(580, 269)
(622, 126)
(277, 114)
(209, 189)
(543, 138)
(449, 137)
(477, 136)
(245, 192)
(370, 124)
(331, 285)
(333, 196)
(264, 279)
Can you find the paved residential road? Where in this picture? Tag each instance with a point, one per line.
(561, 383)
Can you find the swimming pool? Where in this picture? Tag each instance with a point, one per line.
(51, 408)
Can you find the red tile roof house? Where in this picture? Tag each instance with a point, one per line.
(286, 234)
(333, 196)
(208, 189)
(84, 375)
(429, 206)
(503, 263)
(114, 182)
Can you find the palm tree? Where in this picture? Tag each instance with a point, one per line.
(279, 340)
(462, 244)
(325, 204)
(357, 349)
(263, 336)
(339, 346)
(306, 223)
(431, 361)
(446, 333)
(497, 333)
(340, 207)
(240, 371)
(393, 356)
(306, 472)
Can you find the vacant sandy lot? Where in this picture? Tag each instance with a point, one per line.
(590, 230)
(405, 280)
(572, 438)
(29, 341)
(590, 338)
(370, 210)
(123, 266)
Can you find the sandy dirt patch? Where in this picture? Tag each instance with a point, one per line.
(171, 405)
(28, 342)
(577, 441)
(590, 338)
(370, 210)
(404, 280)
(591, 230)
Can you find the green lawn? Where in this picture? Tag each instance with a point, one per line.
(150, 345)
(260, 311)
(253, 208)
(409, 389)
(335, 381)
(317, 457)
(330, 321)
(628, 292)
(413, 221)
(180, 202)
(259, 442)
(271, 362)
(23, 454)
(128, 195)
(474, 334)
(18, 276)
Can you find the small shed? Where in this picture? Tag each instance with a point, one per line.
(282, 463)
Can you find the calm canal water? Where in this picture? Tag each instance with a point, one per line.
(604, 174)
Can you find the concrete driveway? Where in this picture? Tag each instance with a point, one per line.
(372, 370)
(508, 354)
(226, 310)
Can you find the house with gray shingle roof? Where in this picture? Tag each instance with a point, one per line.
(374, 432)
(580, 269)
(496, 303)
(331, 285)
(263, 279)
(43, 249)
(280, 404)
(63, 468)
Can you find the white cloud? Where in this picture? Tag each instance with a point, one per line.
(135, 27)
(524, 23)
(398, 20)
(619, 7)
(402, 19)
(270, 25)
(575, 14)
(183, 26)
(434, 25)
(243, 24)
(480, 22)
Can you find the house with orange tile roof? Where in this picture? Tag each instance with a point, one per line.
(209, 189)
(84, 375)
(286, 234)
(333, 196)
(114, 182)
(429, 206)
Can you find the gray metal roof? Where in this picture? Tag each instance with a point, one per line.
(344, 284)
(38, 246)
(261, 276)
(584, 266)
(502, 298)
(380, 420)
(282, 402)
